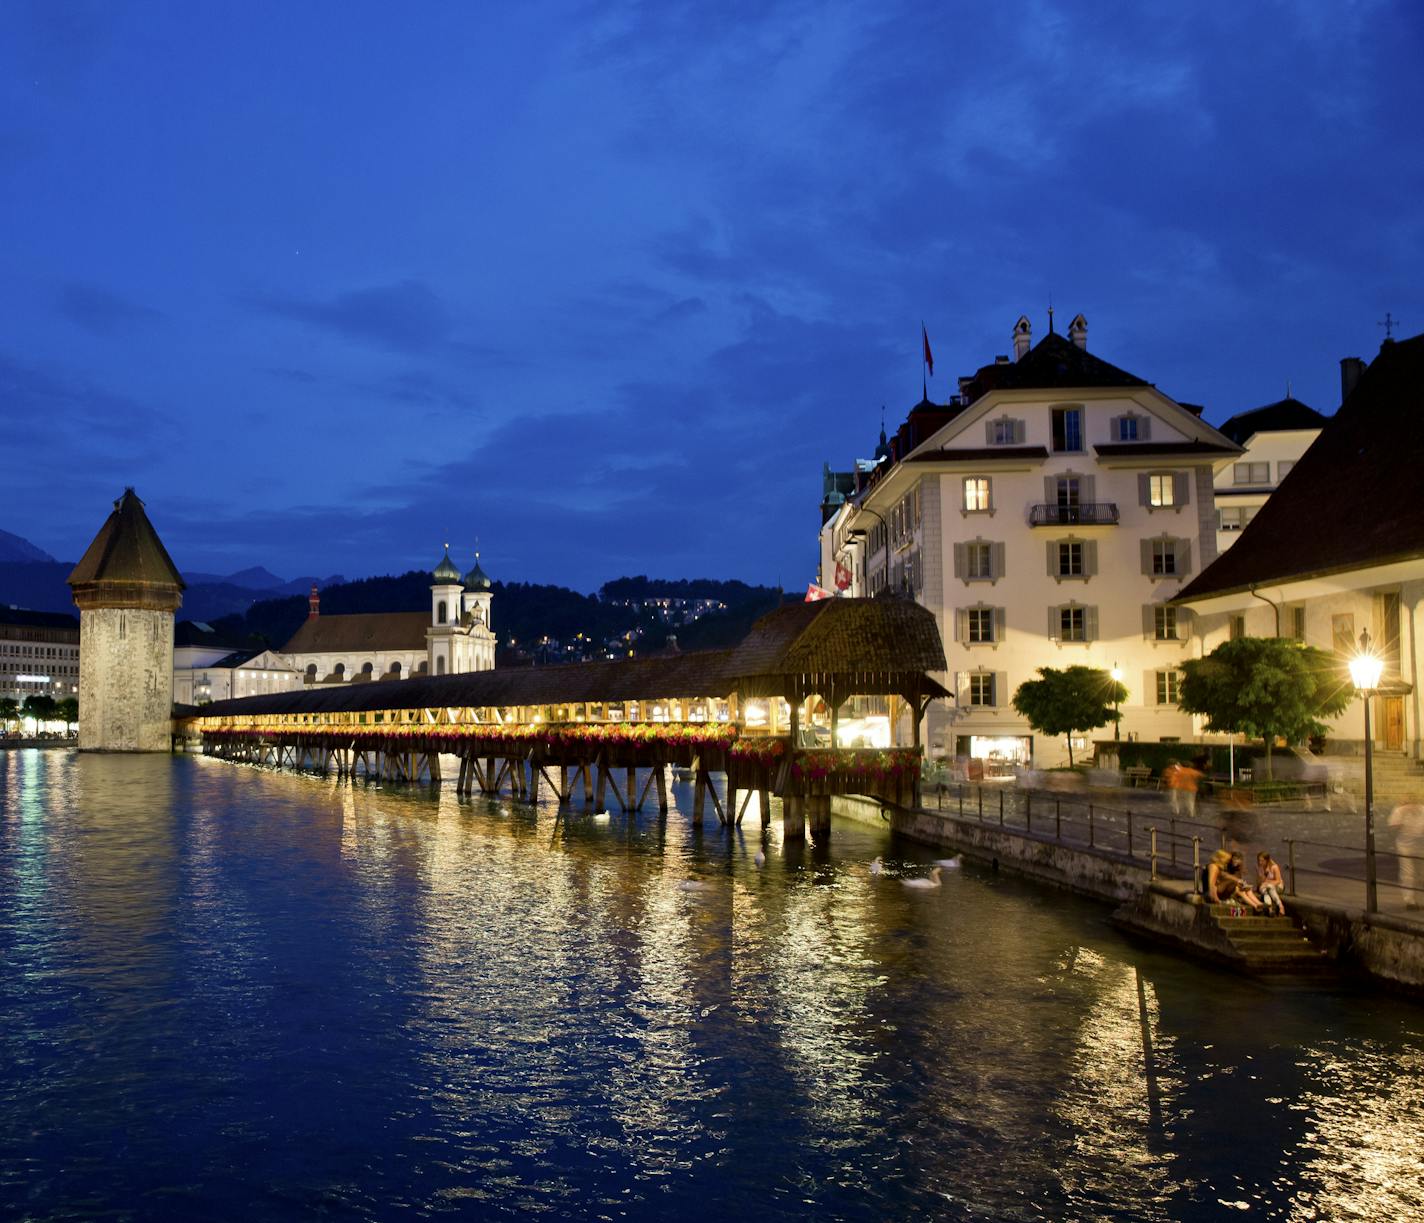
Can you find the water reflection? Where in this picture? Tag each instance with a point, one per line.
(237, 993)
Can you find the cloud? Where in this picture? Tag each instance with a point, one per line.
(405, 317)
(102, 313)
(688, 307)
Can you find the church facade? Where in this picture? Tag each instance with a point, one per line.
(454, 637)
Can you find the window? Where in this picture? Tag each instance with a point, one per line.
(981, 625)
(1235, 518)
(1283, 468)
(981, 688)
(1002, 432)
(1067, 489)
(1169, 687)
(976, 494)
(1067, 429)
(1297, 622)
(1070, 560)
(1164, 557)
(1164, 626)
(1072, 624)
(1342, 633)
(1127, 428)
(1237, 629)
(979, 560)
(440, 615)
(1161, 490)
(1251, 473)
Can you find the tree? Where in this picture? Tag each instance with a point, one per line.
(1068, 700)
(41, 707)
(1267, 686)
(9, 710)
(68, 709)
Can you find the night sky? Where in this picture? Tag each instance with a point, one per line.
(603, 286)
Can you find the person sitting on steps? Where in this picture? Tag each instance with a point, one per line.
(1224, 884)
(1270, 883)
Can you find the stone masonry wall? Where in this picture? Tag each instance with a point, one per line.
(125, 680)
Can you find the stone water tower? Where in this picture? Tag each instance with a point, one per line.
(126, 588)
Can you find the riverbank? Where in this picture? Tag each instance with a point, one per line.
(43, 744)
(1383, 948)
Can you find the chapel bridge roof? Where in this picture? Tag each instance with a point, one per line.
(831, 646)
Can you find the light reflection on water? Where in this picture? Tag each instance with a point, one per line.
(233, 994)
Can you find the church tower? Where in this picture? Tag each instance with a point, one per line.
(126, 588)
(478, 598)
(445, 592)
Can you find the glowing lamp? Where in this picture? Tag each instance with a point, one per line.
(1366, 667)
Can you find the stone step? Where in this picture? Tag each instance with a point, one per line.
(1269, 945)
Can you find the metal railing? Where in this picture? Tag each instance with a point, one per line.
(1084, 514)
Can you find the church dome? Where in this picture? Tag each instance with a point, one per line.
(477, 578)
(445, 572)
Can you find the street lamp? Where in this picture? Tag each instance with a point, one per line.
(1116, 674)
(1365, 670)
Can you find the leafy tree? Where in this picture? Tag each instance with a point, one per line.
(1267, 686)
(9, 710)
(1068, 700)
(68, 709)
(40, 707)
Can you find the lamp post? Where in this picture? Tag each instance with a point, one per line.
(1116, 674)
(1365, 670)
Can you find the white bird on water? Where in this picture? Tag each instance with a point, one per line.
(949, 864)
(931, 882)
(693, 885)
(759, 859)
(877, 866)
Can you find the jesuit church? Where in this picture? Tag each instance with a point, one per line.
(454, 637)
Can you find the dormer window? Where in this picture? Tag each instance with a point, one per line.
(1131, 427)
(1005, 431)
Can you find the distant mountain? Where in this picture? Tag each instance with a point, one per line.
(13, 548)
(261, 580)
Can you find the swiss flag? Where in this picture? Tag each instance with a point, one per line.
(842, 577)
(929, 356)
(815, 593)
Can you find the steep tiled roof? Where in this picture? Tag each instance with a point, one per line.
(1275, 417)
(1055, 361)
(127, 550)
(1349, 502)
(360, 632)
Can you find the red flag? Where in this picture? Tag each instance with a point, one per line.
(843, 577)
(815, 593)
(929, 356)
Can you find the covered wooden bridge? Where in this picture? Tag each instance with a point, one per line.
(764, 713)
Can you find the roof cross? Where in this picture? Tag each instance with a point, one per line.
(1389, 323)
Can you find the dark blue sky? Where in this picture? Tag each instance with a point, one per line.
(604, 285)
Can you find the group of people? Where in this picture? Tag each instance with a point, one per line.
(1225, 883)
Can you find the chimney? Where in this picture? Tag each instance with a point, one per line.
(313, 603)
(1023, 337)
(1078, 331)
(1350, 370)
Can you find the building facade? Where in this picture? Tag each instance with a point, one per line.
(39, 654)
(1047, 516)
(127, 590)
(1273, 439)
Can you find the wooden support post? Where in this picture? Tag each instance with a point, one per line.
(608, 777)
(764, 800)
(820, 809)
(601, 792)
(631, 789)
(534, 771)
(793, 819)
(660, 769)
(647, 785)
(699, 793)
(584, 768)
(716, 803)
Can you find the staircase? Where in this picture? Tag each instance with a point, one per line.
(1272, 947)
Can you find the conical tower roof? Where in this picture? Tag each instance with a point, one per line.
(445, 573)
(477, 578)
(127, 564)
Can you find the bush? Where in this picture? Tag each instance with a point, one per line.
(1157, 756)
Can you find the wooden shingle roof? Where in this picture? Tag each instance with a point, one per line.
(127, 564)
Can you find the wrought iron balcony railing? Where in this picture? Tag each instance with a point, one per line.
(1084, 514)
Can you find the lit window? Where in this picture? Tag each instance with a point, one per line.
(1070, 560)
(1072, 624)
(1161, 490)
(976, 494)
(981, 688)
(981, 625)
(1169, 687)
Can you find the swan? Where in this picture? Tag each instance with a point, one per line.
(877, 865)
(931, 882)
(693, 885)
(759, 859)
(600, 815)
(949, 864)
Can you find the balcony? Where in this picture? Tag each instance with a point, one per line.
(1084, 514)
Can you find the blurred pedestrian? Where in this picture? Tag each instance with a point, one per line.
(1182, 781)
(1407, 820)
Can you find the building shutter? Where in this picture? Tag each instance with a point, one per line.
(1181, 487)
(1000, 623)
(961, 625)
(1183, 548)
(1050, 489)
(1116, 428)
(1087, 490)
(1090, 558)
(1053, 558)
(1184, 623)
(1149, 621)
(1020, 431)
(996, 561)
(1149, 687)
(988, 432)
(961, 688)
(1055, 623)
(1144, 488)
(961, 566)
(1090, 623)
(1144, 428)
(1001, 688)
(1147, 556)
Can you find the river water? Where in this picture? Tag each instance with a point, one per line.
(239, 994)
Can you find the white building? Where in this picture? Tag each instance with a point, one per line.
(1339, 549)
(1273, 438)
(1046, 516)
(454, 637)
(39, 654)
